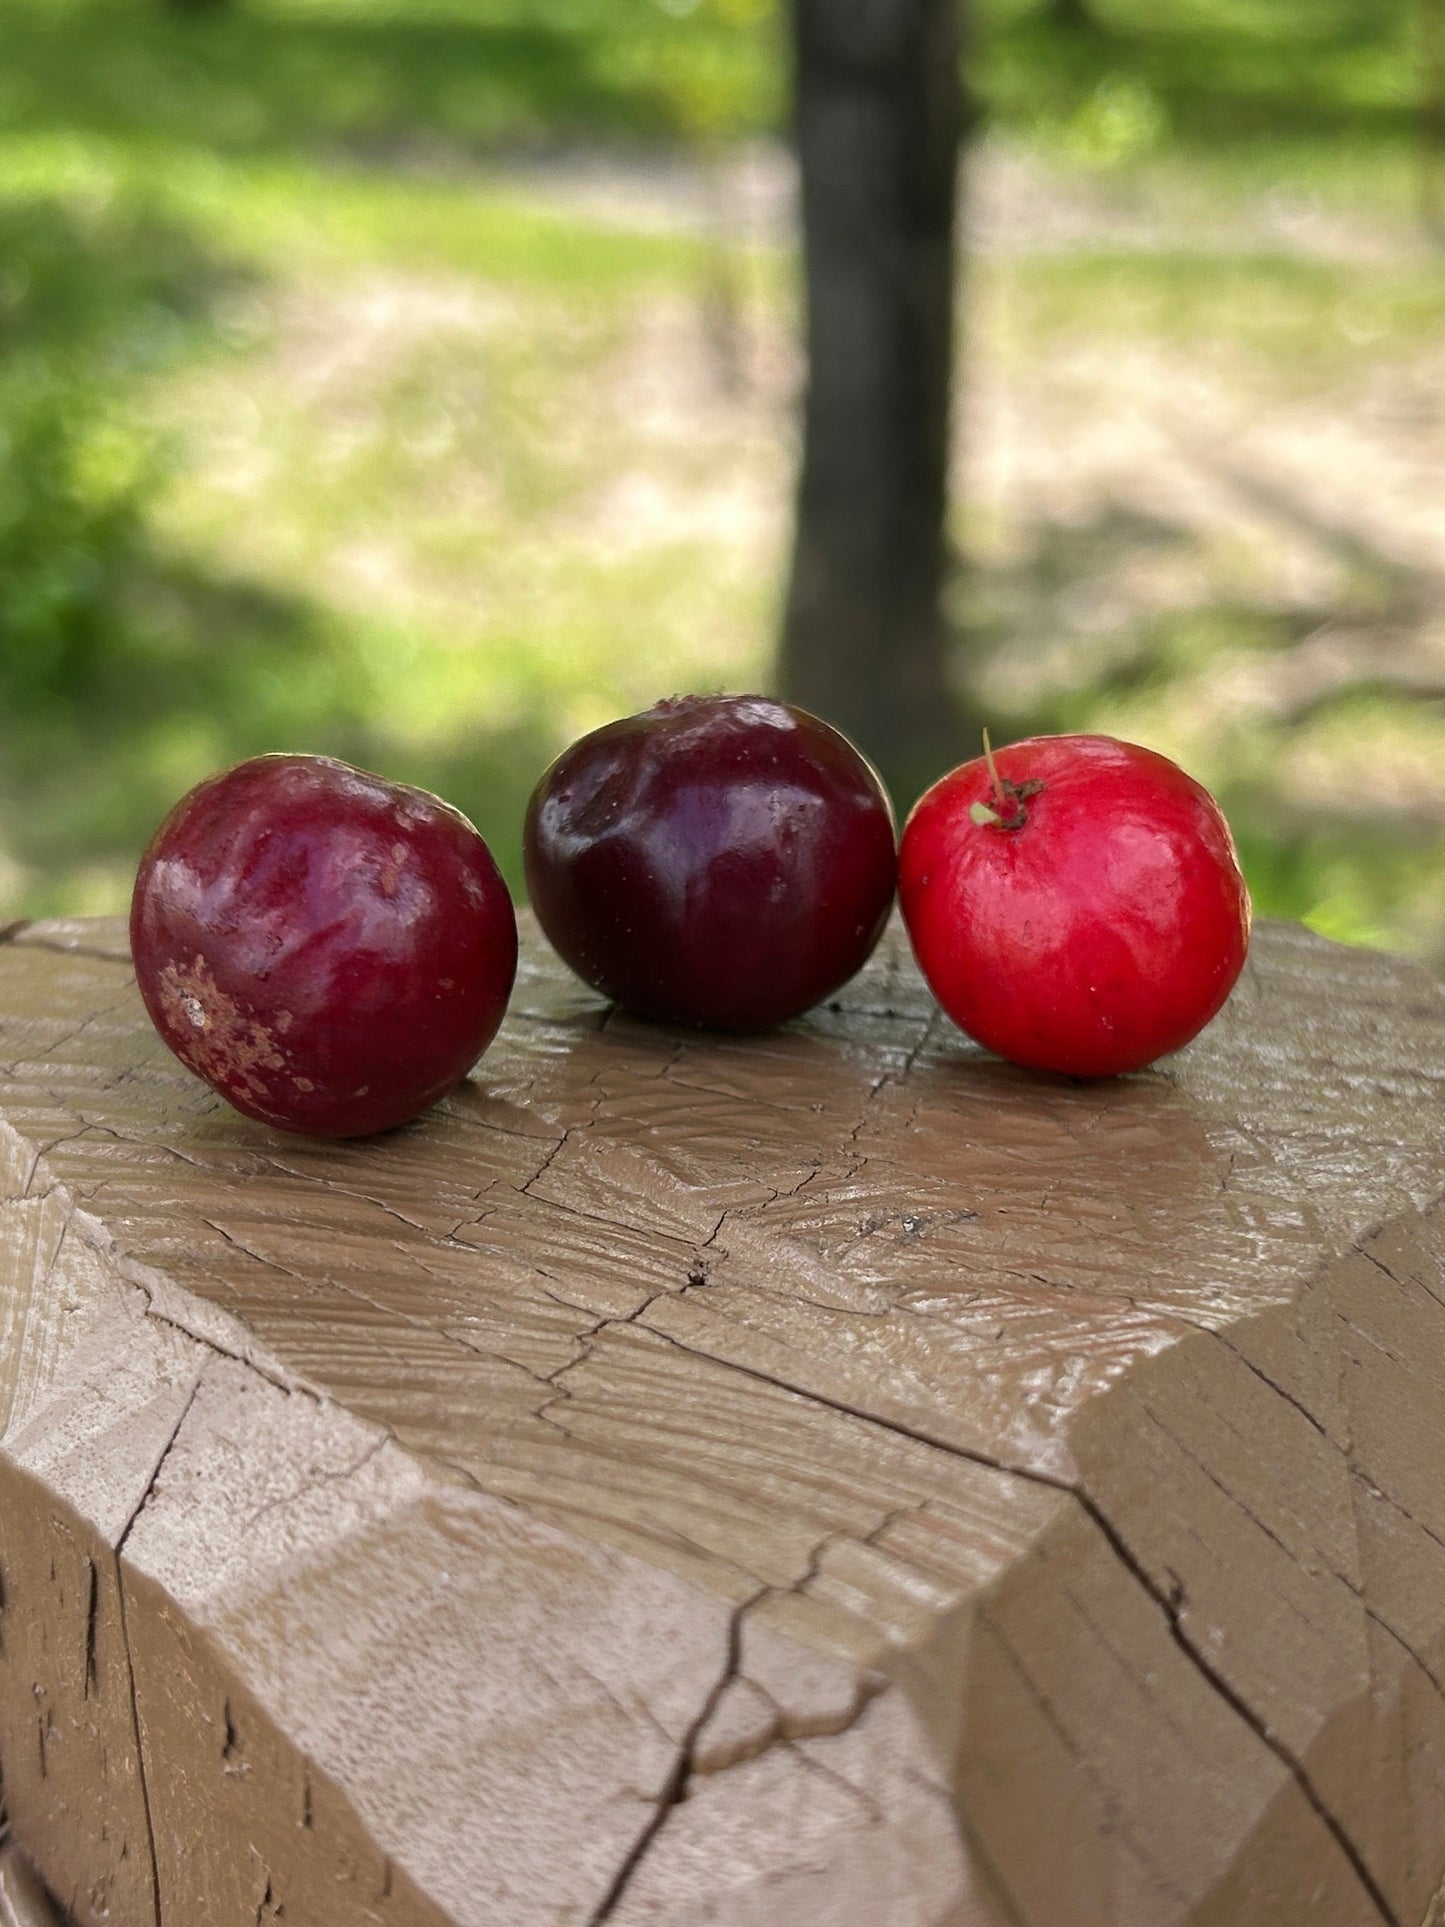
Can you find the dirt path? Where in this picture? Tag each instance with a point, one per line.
(1015, 203)
(1240, 528)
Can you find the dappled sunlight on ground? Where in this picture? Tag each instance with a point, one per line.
(357, 435)
(1198, 512)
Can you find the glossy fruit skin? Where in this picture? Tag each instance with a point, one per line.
(329, 951)
(1099, 933)
(722, 861)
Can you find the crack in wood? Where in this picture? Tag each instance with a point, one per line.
(674, 1788)
(1168, 1603)
(1168, 1595)
(212, 1345)
(1108, 1799)
(1171, 1602)
(1216, 1331)
(338, 1477)
(92, 1618)
(797, 1752)
(152, 1865)
(159, 1466)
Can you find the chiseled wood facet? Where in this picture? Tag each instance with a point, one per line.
(23, 1900)
(822, 1477)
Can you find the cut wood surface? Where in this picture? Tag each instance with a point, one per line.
(821, 1477)
(23, 1900)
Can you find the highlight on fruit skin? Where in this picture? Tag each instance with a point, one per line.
(330, 951)
(719, 861)
(1075, 903)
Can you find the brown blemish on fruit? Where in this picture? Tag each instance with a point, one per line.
(391, 875)
(213, 1035)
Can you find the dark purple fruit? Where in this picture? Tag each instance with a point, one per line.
(718, 860)
(331, 952)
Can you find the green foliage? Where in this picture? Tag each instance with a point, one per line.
(74, 475)
(111, 653)
(375, 77)
(1254, 76)
(71, 499)
(370, 76)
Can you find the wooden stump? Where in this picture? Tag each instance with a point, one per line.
(827, 1477)
(23, 1900)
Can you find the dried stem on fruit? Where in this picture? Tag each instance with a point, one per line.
(1006, 809)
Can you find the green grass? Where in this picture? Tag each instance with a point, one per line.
(1320, 319)
(164, 182)
(314, 433)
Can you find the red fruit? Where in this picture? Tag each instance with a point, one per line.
(329, 951)
(718, 860)
(1081, 909)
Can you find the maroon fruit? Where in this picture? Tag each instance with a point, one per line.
(1075, 903)
(330, 951)
(716, 860)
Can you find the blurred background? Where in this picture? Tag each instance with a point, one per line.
(418, 381)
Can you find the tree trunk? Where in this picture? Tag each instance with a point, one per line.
(879, 105)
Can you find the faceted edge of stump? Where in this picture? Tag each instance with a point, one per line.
(296, 1610)
(23, 1899)
(1154, 1580)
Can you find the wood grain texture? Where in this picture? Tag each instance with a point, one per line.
(829, 1476)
